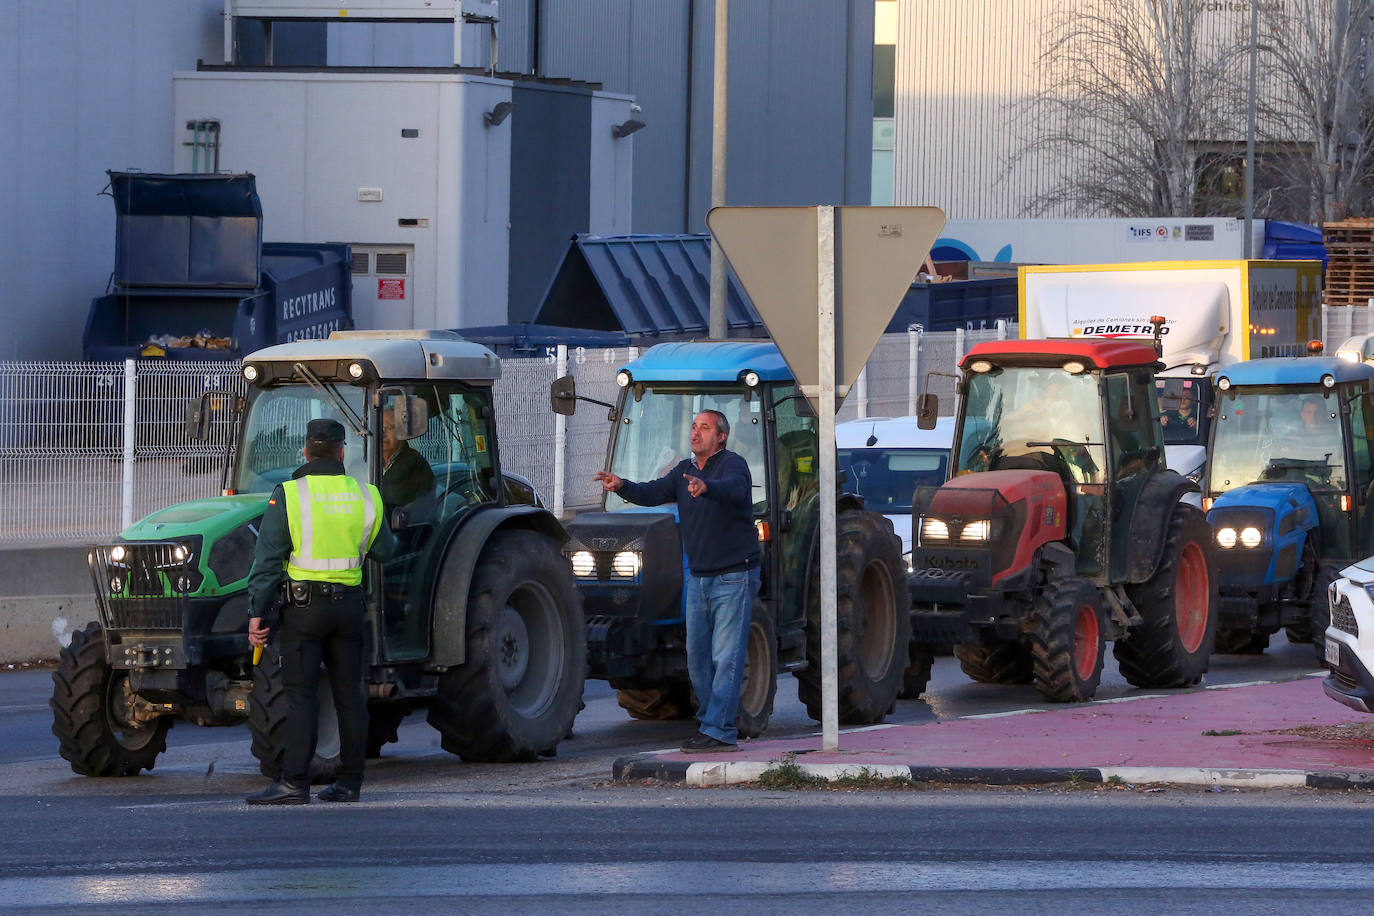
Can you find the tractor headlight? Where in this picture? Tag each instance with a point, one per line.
(117, 553)
(583, 564)
(934, 529)
(179, 553)
(1251, 537)
(980, 530)
(627, 564)
(1226, 537)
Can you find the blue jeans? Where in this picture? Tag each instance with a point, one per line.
(718, 609)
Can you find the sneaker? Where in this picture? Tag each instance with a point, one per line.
(701, 744)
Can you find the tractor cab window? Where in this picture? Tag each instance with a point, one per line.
(1179, 404)
(1036, 418)
(655, 425)
(274, 435)
(1270, 433)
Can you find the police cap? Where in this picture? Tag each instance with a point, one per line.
(324, 431)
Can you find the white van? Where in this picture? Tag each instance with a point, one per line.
(887, 458)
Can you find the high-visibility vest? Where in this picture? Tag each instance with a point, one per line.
(333, 521)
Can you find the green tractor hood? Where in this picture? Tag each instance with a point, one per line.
(220, 532)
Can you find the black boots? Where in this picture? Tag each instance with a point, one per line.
(281, 792)
(338, 793)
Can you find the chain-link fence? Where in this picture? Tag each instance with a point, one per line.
(86, 448)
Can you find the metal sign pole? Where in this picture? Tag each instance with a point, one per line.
(825, 327)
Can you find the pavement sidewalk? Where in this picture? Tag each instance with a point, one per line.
(1269, 735)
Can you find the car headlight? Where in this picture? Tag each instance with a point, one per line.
(934, 529)
(583, 564)
(1251, 537)
(1226, 537)
(626, 564)
(979, 530)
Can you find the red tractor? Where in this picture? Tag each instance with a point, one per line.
(1061, 526)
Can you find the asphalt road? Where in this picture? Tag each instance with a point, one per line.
(555, 836)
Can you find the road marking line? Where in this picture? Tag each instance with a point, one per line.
(1141, 696)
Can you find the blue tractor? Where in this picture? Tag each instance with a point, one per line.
(629, 564)
(1288, 493)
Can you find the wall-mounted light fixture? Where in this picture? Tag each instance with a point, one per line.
(624, 130)
(499, 113)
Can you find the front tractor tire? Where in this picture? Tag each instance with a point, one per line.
(1002, 661)
(1066, 644)
(1178, 604)
(759, 684)
(1319, 607)
(517, 692)
(872, 628)
(267, 723)
(93, 713)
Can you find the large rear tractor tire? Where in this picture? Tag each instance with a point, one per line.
(1066, 644)
(873, 627)
(92, 710)
(1319, 612)
(1000, 662)
(760, 683)
(1171, 646)
(662, 703)
(1231, 641)
(267, 722)
(517, 692)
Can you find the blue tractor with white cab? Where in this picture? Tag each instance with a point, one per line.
(1288, 493)
(629, 565)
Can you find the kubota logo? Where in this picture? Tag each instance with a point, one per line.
(949, 563)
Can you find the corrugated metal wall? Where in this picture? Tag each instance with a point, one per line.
(964, 69)
(960, 63)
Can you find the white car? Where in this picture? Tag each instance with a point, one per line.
(1350, 638)
(887, 458)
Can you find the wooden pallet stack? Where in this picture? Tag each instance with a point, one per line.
(1350, 261)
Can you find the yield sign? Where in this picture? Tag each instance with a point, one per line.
(878, 252)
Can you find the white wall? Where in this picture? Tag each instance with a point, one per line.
(84, 87)
(314, 139)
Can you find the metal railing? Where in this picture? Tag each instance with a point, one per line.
(87, 448)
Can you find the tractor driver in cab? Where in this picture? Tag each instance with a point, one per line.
(406, 475)
(1055, 408)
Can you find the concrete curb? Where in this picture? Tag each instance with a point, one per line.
(705, 774)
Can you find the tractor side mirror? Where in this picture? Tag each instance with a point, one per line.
(200, 413)
(410, 413)
(563, 395)
(927, 410)
(198, 418)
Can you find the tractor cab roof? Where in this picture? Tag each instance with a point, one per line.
(714, 361)
(1096, 354)
(1295, 370)
(385, 355)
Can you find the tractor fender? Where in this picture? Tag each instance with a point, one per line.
(450, 596)
(1157, 503)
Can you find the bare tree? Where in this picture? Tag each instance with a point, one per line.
(1129, 87)
(1320, 50)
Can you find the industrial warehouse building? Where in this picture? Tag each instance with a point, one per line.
(365, 133)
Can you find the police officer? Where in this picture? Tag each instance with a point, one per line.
(315, 535)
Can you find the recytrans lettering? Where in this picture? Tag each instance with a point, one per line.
(335, 503)
(307, 304)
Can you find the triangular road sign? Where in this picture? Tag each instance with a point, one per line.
(878, 252)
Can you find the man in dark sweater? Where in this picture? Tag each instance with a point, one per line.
(713, 491)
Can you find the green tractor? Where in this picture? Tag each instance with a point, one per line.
(476, 617)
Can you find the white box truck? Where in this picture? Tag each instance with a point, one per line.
(1215, 313)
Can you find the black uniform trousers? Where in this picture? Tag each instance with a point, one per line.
(328, 630)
